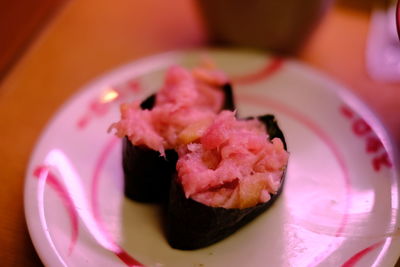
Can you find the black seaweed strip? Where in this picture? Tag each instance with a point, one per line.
(149, 102)
(229, 102)
(273, 128)
(147, 174)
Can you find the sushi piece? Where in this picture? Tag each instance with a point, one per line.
(230, 176)
(176, 115)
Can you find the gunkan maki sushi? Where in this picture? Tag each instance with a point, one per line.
(233, 173)
(152, 130)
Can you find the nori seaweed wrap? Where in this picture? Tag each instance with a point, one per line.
(147, 175)
(193, 225)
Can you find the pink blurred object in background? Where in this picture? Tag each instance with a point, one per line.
(383, 46)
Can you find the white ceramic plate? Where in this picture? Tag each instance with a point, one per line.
(339, 205)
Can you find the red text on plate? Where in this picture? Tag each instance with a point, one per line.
(373, 144)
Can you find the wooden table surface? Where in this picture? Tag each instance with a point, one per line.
(90, 37)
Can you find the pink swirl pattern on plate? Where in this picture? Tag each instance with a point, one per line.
(43, 172)
(359, 255)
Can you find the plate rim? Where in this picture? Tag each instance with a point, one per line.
(350, 98)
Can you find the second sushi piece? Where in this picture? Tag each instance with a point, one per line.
(233, 173)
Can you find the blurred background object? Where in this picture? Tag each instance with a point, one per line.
(278, 26)
(383, 46)
(20, 23)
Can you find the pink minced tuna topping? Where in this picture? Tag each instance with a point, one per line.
(234, 165)
(186, 98)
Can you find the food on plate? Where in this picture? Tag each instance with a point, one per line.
(224, 179)
(184, 146)
(153, 129)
